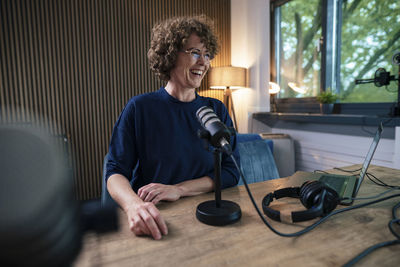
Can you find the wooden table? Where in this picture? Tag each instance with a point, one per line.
(249, 242)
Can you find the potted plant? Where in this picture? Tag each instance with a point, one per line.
(326, 100)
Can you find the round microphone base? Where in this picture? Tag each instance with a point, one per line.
(228, 212)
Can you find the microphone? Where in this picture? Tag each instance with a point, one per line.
(216, 212)
(216, 132)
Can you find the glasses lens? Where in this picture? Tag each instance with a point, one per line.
(195, 54)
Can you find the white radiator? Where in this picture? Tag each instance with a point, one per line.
(284, 153)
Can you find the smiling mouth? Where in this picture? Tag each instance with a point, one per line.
(197, 72)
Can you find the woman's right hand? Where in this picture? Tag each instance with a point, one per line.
(145, 219)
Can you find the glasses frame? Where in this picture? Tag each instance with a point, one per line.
(196, 54)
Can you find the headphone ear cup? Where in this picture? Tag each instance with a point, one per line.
(311, 192)
(331, 200)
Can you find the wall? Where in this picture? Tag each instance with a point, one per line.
(71, 65)
(318, 150)
(250, 49)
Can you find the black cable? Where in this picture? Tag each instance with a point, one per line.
(394, 210)
(369, 250)
(390, 91)
(372, 197)
(369, 175)
(379, 245)
(308, 228)
(343, 170)
(381, 183)
(391, 227)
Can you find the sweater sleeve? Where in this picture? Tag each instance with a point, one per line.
(122, 150)
(229, 173)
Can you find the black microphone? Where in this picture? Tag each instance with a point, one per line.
(218, 134)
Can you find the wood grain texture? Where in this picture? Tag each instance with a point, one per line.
(249, 242)
(72, 65)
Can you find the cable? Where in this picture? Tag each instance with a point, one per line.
(369, 250)
(372, 197)
(390, 91)
(379, 245)
(391, 227)
(381, 183)
(369, 175)
(343, 170)
(308, 228)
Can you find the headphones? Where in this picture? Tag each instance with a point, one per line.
(316, 196)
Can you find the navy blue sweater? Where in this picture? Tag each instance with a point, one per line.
(159, 133)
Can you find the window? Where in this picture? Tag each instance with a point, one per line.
(298, 60)
(329, 44)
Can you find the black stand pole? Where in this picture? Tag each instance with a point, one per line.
(218, 212)
(396, 111)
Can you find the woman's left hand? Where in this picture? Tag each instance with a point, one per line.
(156, 192)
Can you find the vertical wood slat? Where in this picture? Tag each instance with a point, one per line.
(71, 65)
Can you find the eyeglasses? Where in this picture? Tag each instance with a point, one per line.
(196, 54)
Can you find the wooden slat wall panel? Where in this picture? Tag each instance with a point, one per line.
(71, 65)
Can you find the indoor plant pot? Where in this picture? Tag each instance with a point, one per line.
(326, 100)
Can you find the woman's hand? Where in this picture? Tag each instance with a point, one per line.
(156, 192)
(145, 219)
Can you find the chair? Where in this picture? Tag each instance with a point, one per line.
(256, 159)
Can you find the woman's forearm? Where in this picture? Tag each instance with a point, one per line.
(196, 186)
(121, 191)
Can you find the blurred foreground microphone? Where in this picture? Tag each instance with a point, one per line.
(215, 131)
(41, 222)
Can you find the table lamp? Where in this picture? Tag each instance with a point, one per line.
(228, 78)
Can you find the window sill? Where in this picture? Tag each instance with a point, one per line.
(271, 118)
(347, 124)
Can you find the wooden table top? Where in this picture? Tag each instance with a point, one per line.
(249, 242)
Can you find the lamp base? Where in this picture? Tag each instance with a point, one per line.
(228, 212)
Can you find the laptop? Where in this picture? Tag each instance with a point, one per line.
(348, 186)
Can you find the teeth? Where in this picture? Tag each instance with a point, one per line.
(198, 72)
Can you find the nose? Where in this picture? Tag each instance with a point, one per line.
(202, 60)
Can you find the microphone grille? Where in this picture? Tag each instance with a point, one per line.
(206, 116)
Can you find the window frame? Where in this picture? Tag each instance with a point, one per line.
(328, 69)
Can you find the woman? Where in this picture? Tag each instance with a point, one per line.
(158, 130)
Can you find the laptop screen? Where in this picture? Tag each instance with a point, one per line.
(368, 158)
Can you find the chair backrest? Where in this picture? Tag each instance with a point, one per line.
(256, 160)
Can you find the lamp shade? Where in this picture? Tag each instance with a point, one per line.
(223, 77)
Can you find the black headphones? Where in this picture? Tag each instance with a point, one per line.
(317, 197)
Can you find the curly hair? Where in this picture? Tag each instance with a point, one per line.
(170, 36)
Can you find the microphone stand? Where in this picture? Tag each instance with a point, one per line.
(218, 212)
(382, 77)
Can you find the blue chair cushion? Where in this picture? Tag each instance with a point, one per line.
(257, 162)
(252, 137)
